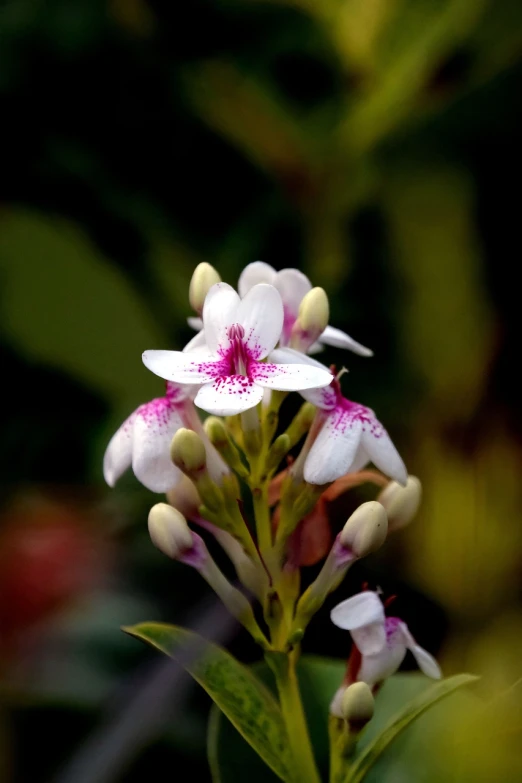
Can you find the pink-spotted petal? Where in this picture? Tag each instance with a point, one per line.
(199, 367)
(154, 427)
(361, 609)
(229, 395)
(381, 450)
(324, 396)
(195, 323)
(261, 316)
(254, 273)
(360, 460)
(293, 287)
(219, 311)
(338, 339)
(334, 449)
(118, 454)
(289, 377)
(426, 662)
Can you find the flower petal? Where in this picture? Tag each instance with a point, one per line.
(198, 367)
(378, 667)
(261, 316)
(195, 323)
(118, 454)
(154, 427)
(339, 339)
(381, 450)
(219, 311)
(289, 377)
(361, 609)
(324, 397)
(360, 460)
(254, 273)
(293, 286)
(370, 639)
(229, 395)
(334, 449)
(198, 341)
(426, 662)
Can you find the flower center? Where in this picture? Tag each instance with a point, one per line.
(238, 351)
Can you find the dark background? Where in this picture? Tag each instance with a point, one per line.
(374, 144)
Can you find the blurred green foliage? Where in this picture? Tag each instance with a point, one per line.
(373, 143)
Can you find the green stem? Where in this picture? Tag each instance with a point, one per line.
(305, 768)
(262, 517)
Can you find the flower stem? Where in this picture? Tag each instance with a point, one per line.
(283, 666)
(262, 517)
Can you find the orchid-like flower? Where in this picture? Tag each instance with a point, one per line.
(293, 286)
(143, 441)
(381, 642)
(239, 334)
(350, 437)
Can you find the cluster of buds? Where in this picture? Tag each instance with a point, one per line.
(252, 348)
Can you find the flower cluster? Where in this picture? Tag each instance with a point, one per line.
(252, 348)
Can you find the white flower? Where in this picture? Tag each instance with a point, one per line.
(143, 441)
(293, 285)
(350, 437)
(239, 335)
(382, 641)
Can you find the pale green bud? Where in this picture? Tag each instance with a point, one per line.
(314, 311)
(169, 531)
(366, 529)
(357, 705)
(203, 278)
(187, 452)
(401, 503)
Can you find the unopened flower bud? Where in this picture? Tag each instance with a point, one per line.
(401, 503)
(169, 531)
(187, 451)
(366, 529)
(314, 311)
(203, 279)
(357, 705)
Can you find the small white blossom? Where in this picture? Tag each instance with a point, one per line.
(293, 286)
(381, 641)
(239, 335)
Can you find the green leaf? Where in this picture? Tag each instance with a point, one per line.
(402, 720)
(233, 761)
(237, 692)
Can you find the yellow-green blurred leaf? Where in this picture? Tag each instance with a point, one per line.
(402, 720)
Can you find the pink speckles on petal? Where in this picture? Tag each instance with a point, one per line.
(228, 395)
(290, 377)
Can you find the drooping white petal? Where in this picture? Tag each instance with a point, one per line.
(289, 377)
(359, 610)
(378, 667)
(360, 460)
(293, 286)
(198, 342)
(316, 347)
(381, 450)
(219, 311)
(426, 662)
(229, 395)
(195, 323)
(155, 424)
(254, 273)
(260, 314)
(334, 449)
(118, 454)
(339, 339)
(198, 367)
(370, 639)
